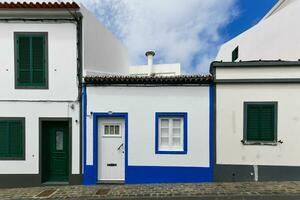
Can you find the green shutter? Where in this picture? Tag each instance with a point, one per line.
(31, 60)
(16, 139)
(4, 139)
(11, 139)
(38, 60)
(261, 122)
(23, 45)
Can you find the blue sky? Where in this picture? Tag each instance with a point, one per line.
(189, 32)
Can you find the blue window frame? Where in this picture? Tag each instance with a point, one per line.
(171, 133)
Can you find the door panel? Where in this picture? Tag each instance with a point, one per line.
(55, 151)
(111, 134)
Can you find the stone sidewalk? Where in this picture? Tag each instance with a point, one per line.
(290, 190)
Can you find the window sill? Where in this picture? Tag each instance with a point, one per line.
(274, 143)
(171, 152)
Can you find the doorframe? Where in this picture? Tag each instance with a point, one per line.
(96, 116)
(54, 119)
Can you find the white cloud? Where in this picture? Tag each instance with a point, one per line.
(184, 31)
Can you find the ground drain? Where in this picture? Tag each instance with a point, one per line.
(46, 193)
(102, 191)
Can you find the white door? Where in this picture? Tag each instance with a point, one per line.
(111, 134)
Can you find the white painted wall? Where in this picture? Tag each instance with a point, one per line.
(276, 37)
(103, 53)
(160, 70)
(230, 99)
(32, 111)
(141, 103)
(257, 72)
(62, 62)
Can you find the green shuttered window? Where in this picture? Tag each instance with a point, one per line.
(12, 138)
(260, 122)
(31, 60)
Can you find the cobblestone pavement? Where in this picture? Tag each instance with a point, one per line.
(289, 190)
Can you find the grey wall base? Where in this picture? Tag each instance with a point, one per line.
(30, 180)
(240, 173)
(19, 180)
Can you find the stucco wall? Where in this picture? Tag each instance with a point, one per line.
(62, 62)
(230, 150)
(257, 72)
(141, 103)
(103, 53)
(32, 111)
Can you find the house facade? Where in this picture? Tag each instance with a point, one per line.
(45, 50)
(147, 129)
(257, 112)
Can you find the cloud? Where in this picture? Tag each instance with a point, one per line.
(184, 31)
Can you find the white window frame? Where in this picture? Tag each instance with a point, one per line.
(171, 146)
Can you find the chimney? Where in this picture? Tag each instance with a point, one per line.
(150, 55)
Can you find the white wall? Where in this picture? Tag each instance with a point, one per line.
(276, 37)
(257, 72)
(141, 103)
(230, 99)
(161, 70)
(103, 53)
(32, 111)
(62, 62)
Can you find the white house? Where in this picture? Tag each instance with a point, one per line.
(45, 49)
(257, 120)
(275, 37)
(257, 81)
(147, 129)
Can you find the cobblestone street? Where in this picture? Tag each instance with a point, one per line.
(262, 190)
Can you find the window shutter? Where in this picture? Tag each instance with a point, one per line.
(4, 138)
(260, 122)
(38, 60)
(267, 123)
(16, 138)
(23, 59)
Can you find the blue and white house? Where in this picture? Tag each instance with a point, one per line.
(148, 129)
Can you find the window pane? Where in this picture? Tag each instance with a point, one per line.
(164, 132)
(164, 123)
(112, 130)
(59, 140)
(176, 123)
(176, 141)
(117, 130)
(177, 132)
(106, 130)
(164, 141)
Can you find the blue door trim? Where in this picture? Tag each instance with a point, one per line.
(91, 171)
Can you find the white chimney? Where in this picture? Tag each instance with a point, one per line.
(150, 55)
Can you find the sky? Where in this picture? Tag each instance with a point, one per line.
(188, 32)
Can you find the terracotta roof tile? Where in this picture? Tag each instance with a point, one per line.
(38, 5)
(146, 80)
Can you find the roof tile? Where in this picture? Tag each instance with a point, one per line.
(38, 5)
(146, 80)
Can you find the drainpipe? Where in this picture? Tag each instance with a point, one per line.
(150, 55)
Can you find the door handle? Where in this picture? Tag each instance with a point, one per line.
(120, 146)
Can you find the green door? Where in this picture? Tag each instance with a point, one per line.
(55, 152)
